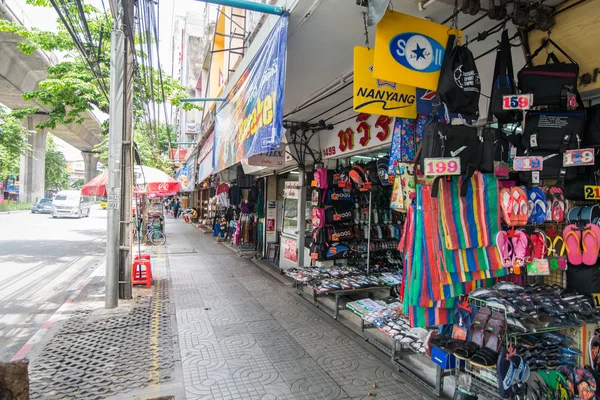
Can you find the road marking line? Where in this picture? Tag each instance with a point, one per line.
(59, 315)
(154, 371)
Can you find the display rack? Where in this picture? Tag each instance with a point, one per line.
(314, 296)
(397, 352)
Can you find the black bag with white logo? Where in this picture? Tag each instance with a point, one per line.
(334, 215)
(503, 84)
(547, 130)
(341, 233)
(459, 84)
(476, 152)
(549, 82)
(552, 167)
(339, 198)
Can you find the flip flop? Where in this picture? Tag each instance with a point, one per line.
(504, 249)
(589, 240)
(494, 333)
(538, 244)
(522, 205)
(558, 251)
(519, 244)
(479, 323)
(537, 206)
(508, 205)
(572, 240)
(557, 207)
(506, 371)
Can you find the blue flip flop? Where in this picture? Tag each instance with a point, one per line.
(537, 205)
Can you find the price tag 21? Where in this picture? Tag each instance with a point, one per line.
(577, 157)
(517, 102)
(591, 192)
(442, 166)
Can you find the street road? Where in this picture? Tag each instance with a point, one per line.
(42, 262)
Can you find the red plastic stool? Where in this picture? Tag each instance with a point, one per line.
(141, 270)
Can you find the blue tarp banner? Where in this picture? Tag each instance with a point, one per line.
(250, 120)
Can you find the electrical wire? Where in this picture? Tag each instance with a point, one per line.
(339, 113)
(344, 120)
(319, 100)
(332, 108)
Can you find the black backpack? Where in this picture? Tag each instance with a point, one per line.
(459, 85)
(503, 84)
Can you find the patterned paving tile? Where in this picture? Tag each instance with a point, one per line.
(243, 335)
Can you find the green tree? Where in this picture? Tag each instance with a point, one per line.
(13, 144)
(152, 144)
(78, 183)
(72, 88)
(57, 176)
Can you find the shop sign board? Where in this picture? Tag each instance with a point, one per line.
(271, 215)
(271, 159)
(409, 50)
(185, 176)
(376, 96)
(250, 120)
(205, 168)
(364, 132)
(291, 190)
(290, 250)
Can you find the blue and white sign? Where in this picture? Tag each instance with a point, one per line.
(417, 52)
(250, 120)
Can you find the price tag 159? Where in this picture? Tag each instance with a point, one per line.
(577, 157)
(532, 163)
(517, 102)
(442, 166)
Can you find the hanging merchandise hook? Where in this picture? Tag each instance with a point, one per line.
(366, 29)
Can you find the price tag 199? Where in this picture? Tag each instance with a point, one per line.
(532, 163)
(517, 102)
(442, 166)
(577, 157)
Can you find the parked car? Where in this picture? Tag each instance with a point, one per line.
(44, 206)
(70, 203)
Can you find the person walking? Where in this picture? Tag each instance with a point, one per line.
(175, 207)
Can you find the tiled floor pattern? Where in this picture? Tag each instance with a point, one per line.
(243, 335)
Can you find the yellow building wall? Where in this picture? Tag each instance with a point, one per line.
(576, 31)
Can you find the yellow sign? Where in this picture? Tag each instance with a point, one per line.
(591, 192)
(376, 96)
(596, 299)
(409, 50)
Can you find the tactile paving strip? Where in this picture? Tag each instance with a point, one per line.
(97, 358)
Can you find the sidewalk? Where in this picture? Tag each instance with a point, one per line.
(244, 335)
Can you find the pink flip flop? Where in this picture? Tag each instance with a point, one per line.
(572, 240)
(590, 244)
(504, 249)
(519, 245)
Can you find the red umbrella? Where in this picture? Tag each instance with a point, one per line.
(97, 186)
(147, 180)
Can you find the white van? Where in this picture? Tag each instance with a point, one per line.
(70, 203)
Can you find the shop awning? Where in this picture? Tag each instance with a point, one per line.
(147, 180)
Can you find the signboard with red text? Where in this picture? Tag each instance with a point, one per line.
(364, 132)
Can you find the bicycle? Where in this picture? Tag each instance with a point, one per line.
(154, 236)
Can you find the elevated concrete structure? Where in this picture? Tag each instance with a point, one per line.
(20, 73)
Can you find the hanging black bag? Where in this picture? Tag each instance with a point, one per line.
(548, 82)
(459, 84)
(591, 136)
(550, 130)
(503, 84)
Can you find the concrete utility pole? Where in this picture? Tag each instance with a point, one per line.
(120, 174)
(125, 242)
